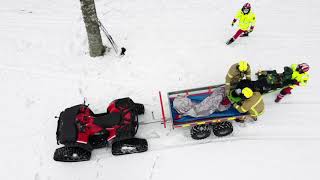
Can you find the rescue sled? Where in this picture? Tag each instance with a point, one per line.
(201, 127)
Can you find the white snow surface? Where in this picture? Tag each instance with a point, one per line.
(171, 45)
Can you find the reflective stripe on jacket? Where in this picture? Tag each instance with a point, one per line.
(234, 76)
(254, 105)
(245, 20)
(302, 78)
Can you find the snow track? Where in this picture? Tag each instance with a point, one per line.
(158, 141)
(171, 45)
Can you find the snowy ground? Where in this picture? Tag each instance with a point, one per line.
(172, 45)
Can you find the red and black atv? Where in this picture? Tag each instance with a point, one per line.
(81, 131)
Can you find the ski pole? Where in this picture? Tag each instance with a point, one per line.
(114, 45)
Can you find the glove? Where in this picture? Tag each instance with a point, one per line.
(238, 91)
(251, 29)
(233, 21)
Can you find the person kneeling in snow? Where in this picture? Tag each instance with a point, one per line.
(246, 19)
(251, 102)
(298, 76)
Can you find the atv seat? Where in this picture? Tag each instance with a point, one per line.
(107, 120)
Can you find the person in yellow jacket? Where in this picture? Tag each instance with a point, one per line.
(252, 103)
(236, 73)
(247, 21)
(299, 77)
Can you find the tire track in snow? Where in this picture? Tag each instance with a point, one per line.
(230, 139)
(55, 75)
(153, 166)
(192, 142)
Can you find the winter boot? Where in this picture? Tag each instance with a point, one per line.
(230, 41)
(245, 34)
(279, 97)
(239, 120)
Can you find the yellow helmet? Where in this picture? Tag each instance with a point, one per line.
(247, 92)
(243, 66)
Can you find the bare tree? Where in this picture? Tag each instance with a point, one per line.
(90, 18)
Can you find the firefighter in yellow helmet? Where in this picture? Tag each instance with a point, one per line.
(251, 103)
(247, 21)
(236, 73)
(298, 76)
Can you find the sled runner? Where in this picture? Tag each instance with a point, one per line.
(201, 126)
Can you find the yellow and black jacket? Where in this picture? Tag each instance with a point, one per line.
(254, 105)
(234, 76)
(245, 20)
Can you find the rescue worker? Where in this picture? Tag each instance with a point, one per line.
(251, 103)
(236, 73)
(298, 76)
(247, 21)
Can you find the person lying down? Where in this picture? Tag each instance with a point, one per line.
(213, 103)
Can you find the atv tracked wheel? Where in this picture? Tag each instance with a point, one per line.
(139, 108)
(200, 131)
(71, 154)
(99, 141)
(222, 129)
(129, 146)
(135, 126)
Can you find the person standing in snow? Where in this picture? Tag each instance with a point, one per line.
(296, 75)
(247, 21)
(236, 73)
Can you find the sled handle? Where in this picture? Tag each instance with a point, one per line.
(162, 110)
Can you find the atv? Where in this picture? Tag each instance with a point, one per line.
(81, 131)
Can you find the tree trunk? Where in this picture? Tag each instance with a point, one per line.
(89, 13)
